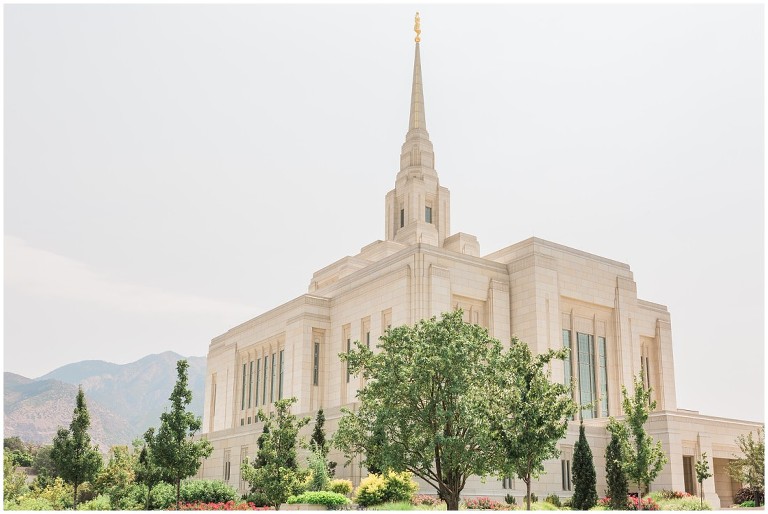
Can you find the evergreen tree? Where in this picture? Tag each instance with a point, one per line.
(584, 476)
(618, 487)
(318, 442)
(75, 459)
(274, 474)
(174, 449)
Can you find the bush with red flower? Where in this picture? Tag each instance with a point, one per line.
(484, 503)
(230, 505)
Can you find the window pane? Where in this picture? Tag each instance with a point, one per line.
(567, 360)
(586, 373)
(258, 371)
(264, 387)
(250, 383)
(242, 395)
(272, 382)
(603, 376)
(316, 367)
(280, 383)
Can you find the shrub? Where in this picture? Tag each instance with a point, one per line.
(327, 498)
(568, 502)
(101, 502)
(258, 499)
(399, 486)
(686, 503)
(668, 494)
(371, 490)
(648, 503)
(58, 493)
(543, 506)
(534, 498)
(163, 496)
(318, 467)
(230, 505)
(207, 491)
(425, 499)
(484, 503)
(340, 486)
(748, 503)
(510, 499)
(748, 493)
(29, 503)
(553, 499)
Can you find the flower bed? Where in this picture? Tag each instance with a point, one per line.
(484, 503)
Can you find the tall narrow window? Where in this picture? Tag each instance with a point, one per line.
(264, 387)
(250, 383)
(242, 394)
(258, 374)
(349, 348)
(316, 365)
(586, 374)
(566, 471)
(567, 360)
(402, 218)
(280, 382)
(428, 214)
(602, 359)
(272, 383)
(227, 464)
(368, 339)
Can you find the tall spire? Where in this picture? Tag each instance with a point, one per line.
(417, 125)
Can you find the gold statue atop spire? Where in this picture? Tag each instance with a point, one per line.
(417, 28)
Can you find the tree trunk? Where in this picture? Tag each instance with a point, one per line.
(453, 501)
(178, 493)
(527, 492)
(639, 496)
(149, 492)
(74, 499)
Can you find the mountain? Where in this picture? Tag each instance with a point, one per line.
(123, 399)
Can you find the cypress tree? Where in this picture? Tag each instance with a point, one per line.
(618, 486)
(584, 476)
(318, 434)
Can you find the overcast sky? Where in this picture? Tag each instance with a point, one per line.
(171, 171)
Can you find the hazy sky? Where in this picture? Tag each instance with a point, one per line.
(171, 170)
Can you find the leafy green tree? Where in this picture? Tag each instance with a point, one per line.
(174, 448)
(319, 442)
(14, 482)
(584, 476)
(529, 413)
(425, 393)
(318, 466)
(274, 475)
(117, 476)
(18, 450)
(749, 469)
(43, 466)
(76, 460)
(146, 469)
(702, 473)
(618, 487)
(643, 460)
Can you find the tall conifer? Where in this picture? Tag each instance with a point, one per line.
(584, 476)
(618, 486)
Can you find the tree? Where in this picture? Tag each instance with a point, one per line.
(43, 466)
(584, 476)
(749, 469)
(319, 443)
(145, 466)
(174, 449)
(275, 474)
(76, 460)
(618, 488)
(318, 466)
(425, 394)
(643, 460)
(14, 482)
(529, 413)
(702, 473)
(117, 476)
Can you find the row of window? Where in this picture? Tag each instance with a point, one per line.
(584, 352)
(253, 376)
(427, 215)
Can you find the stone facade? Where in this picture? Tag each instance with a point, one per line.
(546, 294)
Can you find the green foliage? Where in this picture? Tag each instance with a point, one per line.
(58, 493)
(684, 502)
(702, 473)
(76, 460)
(207, 491)
(424, 411)
(327, 498)
(163, 496)
(618, 487)
(174, 448)
(371, 490)
(528, 412)
(542, 506)
(340, 486)
(318, 468)
(510, 499)
(28, 503)
(274, 475)
(749, 469)
(14, 482)
(393, 506)
(534, 497)
(117, 476)
(318, 442)
(147, 471)
(748, 503)
(399, 486)
(555, 500)
(43, 465)
(584, 476)
(643, 460)
(484, 503)
(101, 502)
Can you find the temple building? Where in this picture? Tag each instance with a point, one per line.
(546, 294)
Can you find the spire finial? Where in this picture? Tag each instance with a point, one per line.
(417, 27)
